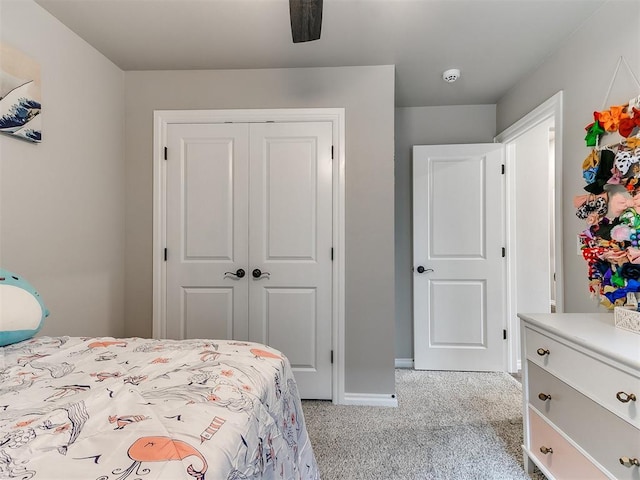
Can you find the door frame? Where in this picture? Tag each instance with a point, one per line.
(551, 108)
(163, 118)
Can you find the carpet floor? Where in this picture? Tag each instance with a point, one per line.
(448, 426)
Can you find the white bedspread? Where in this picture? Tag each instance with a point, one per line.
(116, 409)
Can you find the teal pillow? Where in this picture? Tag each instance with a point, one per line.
(22, 311)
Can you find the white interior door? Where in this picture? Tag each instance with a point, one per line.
(458, 257)
(248, 197)
(207, 224)
(290, 242)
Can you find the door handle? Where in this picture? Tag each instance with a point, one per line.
(238, 273)
(257, 273)
(626, 397)
(421, 269)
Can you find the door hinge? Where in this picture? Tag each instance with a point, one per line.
(332, 254)
(332, 357)
(503, 169)
(165, 153)
(165, 254)
(504, 334)
(504, 252)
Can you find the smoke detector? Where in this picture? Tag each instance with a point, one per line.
(451, 75)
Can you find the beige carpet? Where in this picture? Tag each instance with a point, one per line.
(448, 426)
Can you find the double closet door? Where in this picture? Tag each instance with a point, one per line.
(249, 239)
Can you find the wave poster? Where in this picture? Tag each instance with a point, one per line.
(20, 107)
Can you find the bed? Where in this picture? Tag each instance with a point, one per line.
(116, 409)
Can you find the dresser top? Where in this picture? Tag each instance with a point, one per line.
(595, 331)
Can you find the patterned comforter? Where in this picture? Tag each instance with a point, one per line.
(116, 409)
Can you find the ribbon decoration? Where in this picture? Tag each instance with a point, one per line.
(633, 286)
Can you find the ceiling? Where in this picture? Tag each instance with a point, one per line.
(494, 43)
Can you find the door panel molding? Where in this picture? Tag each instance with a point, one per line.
(163, 118)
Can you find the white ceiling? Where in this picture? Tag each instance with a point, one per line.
(493, 42)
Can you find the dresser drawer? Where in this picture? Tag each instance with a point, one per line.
(605, 436)
(587, 374)
(564, 461)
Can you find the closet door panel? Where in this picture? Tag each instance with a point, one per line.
(290, 241)
(207, 224)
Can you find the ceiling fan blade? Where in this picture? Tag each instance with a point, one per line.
(306, 20)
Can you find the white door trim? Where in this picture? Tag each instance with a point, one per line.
(161, 118)
(551, 108)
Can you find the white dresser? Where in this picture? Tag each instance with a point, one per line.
(581, 386)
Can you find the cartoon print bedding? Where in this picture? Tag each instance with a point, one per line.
(118, 409)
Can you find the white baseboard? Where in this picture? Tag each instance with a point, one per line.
(404, 362)
(370, 399)
(408, 363)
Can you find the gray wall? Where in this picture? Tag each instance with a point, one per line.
(583, 69)
(425, 126)
(367, 94)
(62, 201)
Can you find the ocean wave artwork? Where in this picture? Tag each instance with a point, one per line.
(20, 103)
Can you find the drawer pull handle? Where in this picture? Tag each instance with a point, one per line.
(626, 397)
(544, 397)
(629, 462)
(546, 450)
(542, 352)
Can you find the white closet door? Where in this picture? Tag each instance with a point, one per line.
(253, 197)
(290, 243)
(207, 215)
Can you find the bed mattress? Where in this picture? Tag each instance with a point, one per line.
(133, 408)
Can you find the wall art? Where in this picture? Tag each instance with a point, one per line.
(20, 102)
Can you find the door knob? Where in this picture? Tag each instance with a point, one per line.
(238, 273)
(257, 273)
(421, 269)
(629, 462)
(626, 397)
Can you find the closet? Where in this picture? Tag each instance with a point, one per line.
(249, 239)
